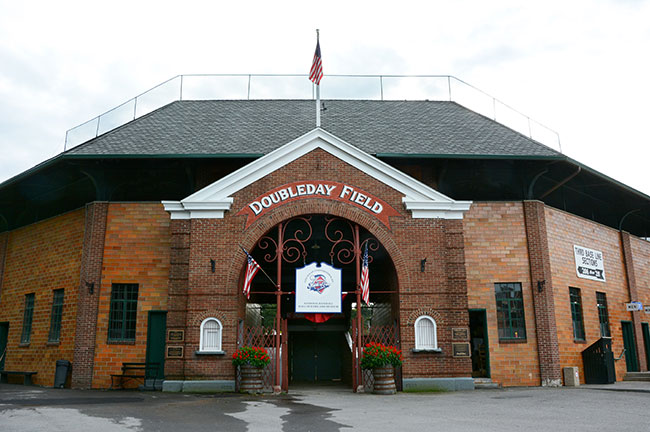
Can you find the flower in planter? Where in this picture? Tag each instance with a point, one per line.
(254, 356)
(377, 355)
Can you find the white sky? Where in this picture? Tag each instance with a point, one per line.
(579, 67)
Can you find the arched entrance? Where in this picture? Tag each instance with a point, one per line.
(319, 348)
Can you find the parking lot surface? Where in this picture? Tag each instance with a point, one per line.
(618, 407)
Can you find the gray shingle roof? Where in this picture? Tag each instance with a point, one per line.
(260, 126)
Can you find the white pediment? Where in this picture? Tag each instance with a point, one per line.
(214, 200)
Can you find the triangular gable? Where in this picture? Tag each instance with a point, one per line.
(214, 200)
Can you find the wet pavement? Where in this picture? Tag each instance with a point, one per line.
(617, 407)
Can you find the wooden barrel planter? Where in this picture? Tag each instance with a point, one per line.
(384, 380)
(251, 379)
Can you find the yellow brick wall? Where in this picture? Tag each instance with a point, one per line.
(496, 251)
(39, 259)
(136, 250)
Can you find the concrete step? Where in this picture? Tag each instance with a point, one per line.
(637, 376)
(485, 383)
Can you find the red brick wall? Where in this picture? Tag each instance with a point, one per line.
(496, 251)
(177, 291)
(440, 290)
(4, 238)
(87, 295)
(136, 250)
(542, 289)
(636, 253)
(565, 231)
(641, 256)
(39, 259)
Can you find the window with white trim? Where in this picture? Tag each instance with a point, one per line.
(426, 337)
(210, 335)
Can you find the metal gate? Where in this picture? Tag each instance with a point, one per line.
(294, 242)
(387, 335)
(598, 362)
(264, 337)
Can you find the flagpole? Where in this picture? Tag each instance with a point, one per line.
(317, 105)
(317, 90)
(260, 267)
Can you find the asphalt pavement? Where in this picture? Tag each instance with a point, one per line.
(621, 406)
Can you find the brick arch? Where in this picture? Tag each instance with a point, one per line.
(199, 317)
(424, 311)
(253, 233)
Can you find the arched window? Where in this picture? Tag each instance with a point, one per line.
(210, 335)
(426, 337)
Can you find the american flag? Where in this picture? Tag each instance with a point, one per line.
(251, 270)
(316, 72)
(365, 278)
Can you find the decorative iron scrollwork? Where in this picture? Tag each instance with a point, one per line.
(342, 248)
(292, 248)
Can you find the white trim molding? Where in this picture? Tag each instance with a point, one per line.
(217, 342)
(214, 200)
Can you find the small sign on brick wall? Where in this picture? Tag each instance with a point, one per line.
(460, 349)
(175, 335)
(174, 352)
(460, 333)
(634, 306)
(589, 263)
(647, 309)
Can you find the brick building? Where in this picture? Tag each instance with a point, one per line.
(491, 256)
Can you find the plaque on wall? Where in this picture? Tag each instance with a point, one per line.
(460, 349)
(174, 352)
(460, 333)
(175, 335)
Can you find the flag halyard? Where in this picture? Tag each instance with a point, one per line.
(364, 281)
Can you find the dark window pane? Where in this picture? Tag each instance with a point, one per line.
(56, 316)
(124, 308)
(576, 314)
(603, 314)
(28, 315)
(510, 311)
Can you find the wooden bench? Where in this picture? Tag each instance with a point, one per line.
(135, 371)
(27, 376)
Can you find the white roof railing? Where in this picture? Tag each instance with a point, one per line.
(273, 86)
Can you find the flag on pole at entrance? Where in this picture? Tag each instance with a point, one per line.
(251, 269)
(365, 278)
(316, 72)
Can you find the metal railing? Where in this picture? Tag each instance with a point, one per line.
(297, 86)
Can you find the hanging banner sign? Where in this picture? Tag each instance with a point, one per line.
(647, 309)
(318, 189)
(318, 289)
(589, 263)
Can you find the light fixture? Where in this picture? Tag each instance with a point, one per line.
(91, 287)
(422, 264)
(212, 265)
(540, 285)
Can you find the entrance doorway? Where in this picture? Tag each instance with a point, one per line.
(156, 330)
(316, 356)
(646, 341)
(479, 343)
(4, 335)
(318, 345)
(629, 344)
